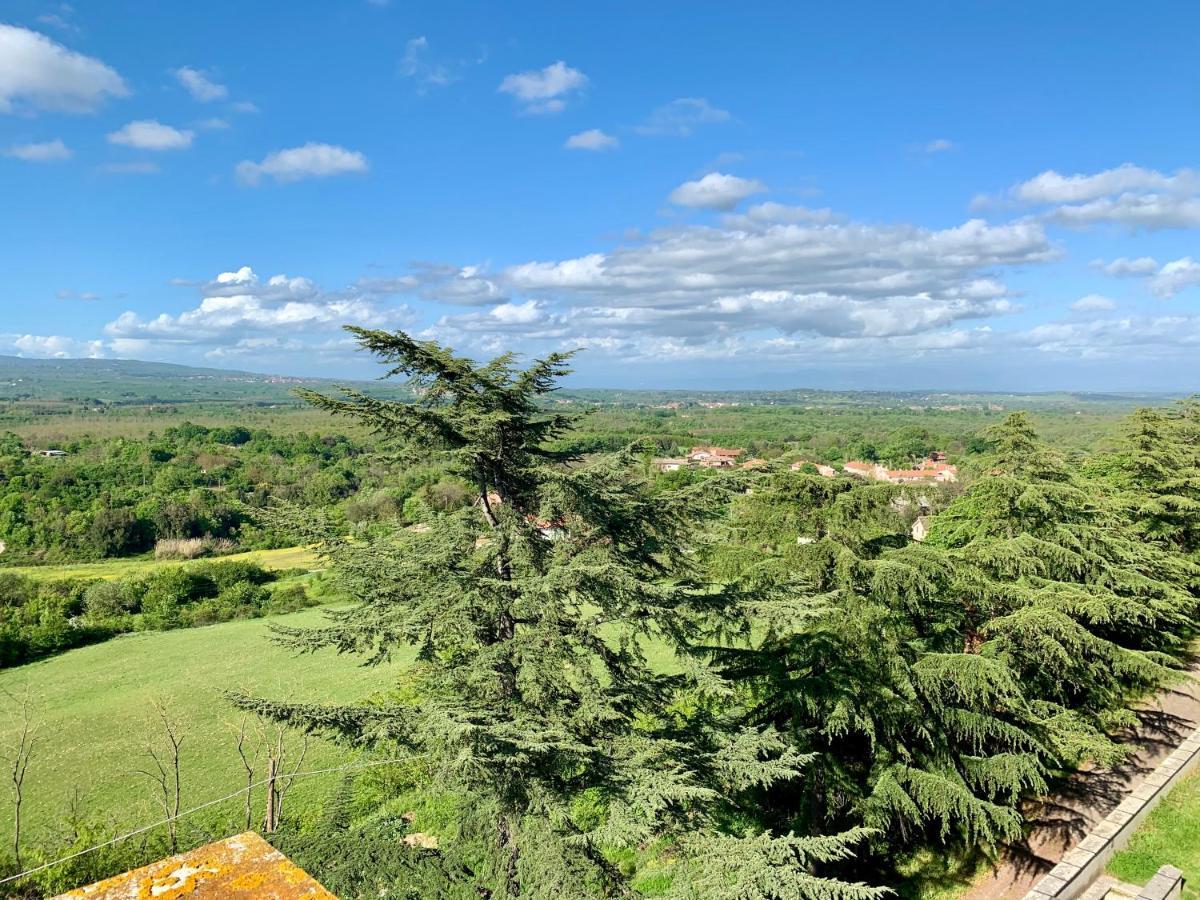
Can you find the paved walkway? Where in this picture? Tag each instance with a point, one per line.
(1061, 820)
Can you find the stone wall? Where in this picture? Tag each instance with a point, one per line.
(1086, 861)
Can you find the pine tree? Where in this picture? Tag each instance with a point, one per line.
(532, 698)
(1058, 582)
(1156, 473)
(859, 651)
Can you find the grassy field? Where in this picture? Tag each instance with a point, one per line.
(96, 709)
(285, 558)
(1170, 834)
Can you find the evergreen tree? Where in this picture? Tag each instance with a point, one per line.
(1156, 473)
(1055, 580)
(856, 655)
(532, 701)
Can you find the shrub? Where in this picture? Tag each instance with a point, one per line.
(179, 548)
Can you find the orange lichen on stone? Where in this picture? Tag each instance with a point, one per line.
(241, 866)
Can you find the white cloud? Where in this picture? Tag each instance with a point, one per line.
(592, 139)
(1125, 267)
(680, 118)
(1126, 195)
(1174, 276)
(238, 311)
(1050, 187)
(245, 106)
(199, 84)
(770, 211)
(50, 346)
(715, 191)
(545, 90)
(939, 145)
(1147, 337)
(213, 124)
(1093, 303)
(40, 73)
(61, 19)
(147, 134)
(46, 151)
(298, 163)
(417, 65)
(784, 282)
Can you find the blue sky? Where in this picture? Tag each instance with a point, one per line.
(869, 195)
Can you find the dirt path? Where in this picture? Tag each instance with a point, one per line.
(1063, 819)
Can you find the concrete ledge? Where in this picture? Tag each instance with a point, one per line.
(1086, 861)
(1167, 884)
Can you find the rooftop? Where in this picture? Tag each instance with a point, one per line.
(241, 866)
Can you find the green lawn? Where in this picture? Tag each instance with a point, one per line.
(1170, 834)
(285, 558)
(95, 705)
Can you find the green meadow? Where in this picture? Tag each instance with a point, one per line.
(96, 712)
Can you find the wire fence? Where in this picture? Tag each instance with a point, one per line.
(207, 804)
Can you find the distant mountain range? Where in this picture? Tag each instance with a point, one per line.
(127, 381)
(134, 381)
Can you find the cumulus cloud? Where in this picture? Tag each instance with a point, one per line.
(148, 134)
(715, 191)
(1128, 195)
(1126, 267)
(50, 346)
(39, 73)
(592, 139)
(544, 91)
(299, 163)
(681, 118)
(199, 84)
(46, 151)
(1174, 276)
(784, 281)
(237, 309)
(1150, 337)
(1093, 303)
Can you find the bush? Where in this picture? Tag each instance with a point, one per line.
(113, 599)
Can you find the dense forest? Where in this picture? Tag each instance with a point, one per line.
(746, 683)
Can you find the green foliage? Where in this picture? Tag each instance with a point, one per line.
(530, 609)
(40, 618)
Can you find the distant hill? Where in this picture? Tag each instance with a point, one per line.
(128, 381)
(134, 382)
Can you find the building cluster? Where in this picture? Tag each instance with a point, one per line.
(932, 468)
(705, 457)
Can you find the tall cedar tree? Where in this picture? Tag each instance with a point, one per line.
(1058, 584)
(532, 699)
(1156, 473)
(856, 654)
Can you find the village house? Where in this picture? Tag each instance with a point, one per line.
(714, 457)
(934, 468)
(920, 528)
(670, 465)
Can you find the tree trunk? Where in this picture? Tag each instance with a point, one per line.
(269, 823)
(510, 853)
